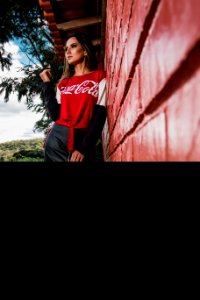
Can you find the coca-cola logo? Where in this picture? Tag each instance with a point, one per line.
(87, 86)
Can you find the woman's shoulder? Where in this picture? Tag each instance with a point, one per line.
(62, 82)
(100, 74)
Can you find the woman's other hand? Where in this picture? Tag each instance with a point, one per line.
(77, 156)
(45, 75)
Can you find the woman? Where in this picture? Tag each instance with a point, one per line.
(79, 105)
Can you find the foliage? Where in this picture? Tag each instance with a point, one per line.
(23, 20)
(22, 150)
(31, 150)
(5, 61)
(43, 124)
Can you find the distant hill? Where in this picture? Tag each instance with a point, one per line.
(22, 150)
(31, 150)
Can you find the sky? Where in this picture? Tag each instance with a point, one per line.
(16, 122)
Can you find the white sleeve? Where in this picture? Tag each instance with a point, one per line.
(58, 95)
(102, 93)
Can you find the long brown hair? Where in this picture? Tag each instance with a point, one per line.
(91, 60)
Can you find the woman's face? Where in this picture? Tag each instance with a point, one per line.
(74, 53)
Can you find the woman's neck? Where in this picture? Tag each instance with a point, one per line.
(81, 69)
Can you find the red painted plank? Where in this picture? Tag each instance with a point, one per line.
(175, 30)
(129, 112)
(139, 13)
(183, 119)
(105, 141)
(150, 141)
(131, 107)
(127, 149)
(117, 155)
(124, 11)
(127, 9)
(117, 134)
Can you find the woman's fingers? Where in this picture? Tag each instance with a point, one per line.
(77, 156)
(45, 75)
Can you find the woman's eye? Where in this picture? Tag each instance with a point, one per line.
(72, 46)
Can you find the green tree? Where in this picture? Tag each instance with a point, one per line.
(23, 20)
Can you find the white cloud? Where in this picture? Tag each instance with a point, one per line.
(16, 122)
(15, 68)
(12, 48)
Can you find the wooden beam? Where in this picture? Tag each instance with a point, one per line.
(79, 23)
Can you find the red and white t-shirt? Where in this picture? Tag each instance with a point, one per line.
(78, 96)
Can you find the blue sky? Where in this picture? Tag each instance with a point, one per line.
(16, 122)
(23, 59)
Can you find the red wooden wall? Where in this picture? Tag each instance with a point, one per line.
(153, 74)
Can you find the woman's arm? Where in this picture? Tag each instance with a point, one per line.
(97, 122)
(50, 101)
(49, 95)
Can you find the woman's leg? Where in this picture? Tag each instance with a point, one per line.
(56, 144)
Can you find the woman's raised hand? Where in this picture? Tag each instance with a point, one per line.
(45, 75)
